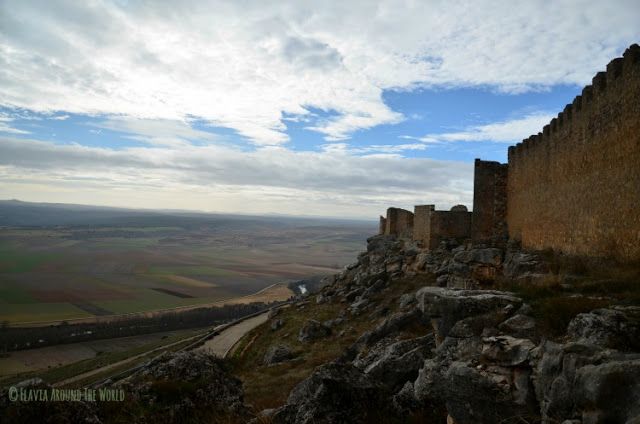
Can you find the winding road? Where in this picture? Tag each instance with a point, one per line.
(222, 343)
(218, 345)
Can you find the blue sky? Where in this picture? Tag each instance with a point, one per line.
(298, 108)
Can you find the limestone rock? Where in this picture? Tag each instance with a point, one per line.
(276, 354)
(612, 328)
(488, 256)
(519, 325)
(396, 363)
(334, 393)
(276, 324)
(506, 350)
(390, 325)
(448, 306)
(211, 387)
(519, 263)
(487, 396)
(313, 330)
(407, 300)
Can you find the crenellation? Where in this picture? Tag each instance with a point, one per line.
(568, 112)
(631, 58)
(383, 225)
(399, 222)
(577, 104)
(599, 82)
(575, 203)
(587, 95)
(614, 69)
(564, 188)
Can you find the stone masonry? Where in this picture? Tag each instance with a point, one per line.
(574, 187)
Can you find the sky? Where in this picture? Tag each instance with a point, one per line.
(332, 108)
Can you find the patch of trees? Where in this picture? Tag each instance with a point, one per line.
(12, 339)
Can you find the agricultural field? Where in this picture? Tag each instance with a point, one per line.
(54, 273)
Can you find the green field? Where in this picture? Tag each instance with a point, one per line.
(64, 273)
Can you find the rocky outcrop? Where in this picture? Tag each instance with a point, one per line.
(187, 387)
(486, 360)
(334, 393)
(617, 328)
(586, 382)
(175, 388)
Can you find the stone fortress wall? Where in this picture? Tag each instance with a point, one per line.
(427, 225)
(574, 187)
(399, 222)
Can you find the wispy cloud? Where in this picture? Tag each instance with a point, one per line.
(269, 179)
(7, 128)
(246, 65)
(161, 132)
(510, 131)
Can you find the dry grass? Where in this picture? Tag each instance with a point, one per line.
(269, 386)
(576, 285)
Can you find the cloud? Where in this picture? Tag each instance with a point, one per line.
(247, 65)
(380, 149)
(511, 131)
(161, 132)
(5, 127)
(270, 179)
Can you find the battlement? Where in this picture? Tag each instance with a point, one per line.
(571, 187)
(604, 86)
(399, 222)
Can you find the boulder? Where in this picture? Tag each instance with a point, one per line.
(394, 323)
(488, 395)
(334, 393)
(610, 328)
(397, 362)
(445, 307)
(313, 330)
(609, 392)
(577, 380)
(407, 300)
(359, 305)
(276, 354)
(519, 263)
(488, 256)
(276, 324)
(506, 350)
(519, 325)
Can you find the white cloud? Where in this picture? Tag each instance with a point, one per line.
(333, 182)
(511, 131)
(161, 132)
(6, 128)
(244, 65)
